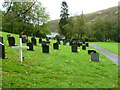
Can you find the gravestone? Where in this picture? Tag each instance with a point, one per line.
(87, 44)
(74, 48)
(11, 41)
(56, 45)
(83, 47)
(45, 48)
(90, 51)
(1, 39)
(30, 46)
(2, 51)
(40, 40)
(33, 40)
(95, 56)
(24, 38)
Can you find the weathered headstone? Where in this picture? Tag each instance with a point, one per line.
(1, 39)
(83, 47)
(24, 38)
(56, 45)
(33, 40)
(74, 48)
(2, 51)
(30, 46)
(90, 51)
(45, 48)
(11, 41)
(95, 56)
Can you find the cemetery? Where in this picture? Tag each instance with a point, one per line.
(70, 51)
(60, 68)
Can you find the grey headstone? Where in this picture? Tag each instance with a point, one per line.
(95, 56)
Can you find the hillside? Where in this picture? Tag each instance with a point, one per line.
(106, 13)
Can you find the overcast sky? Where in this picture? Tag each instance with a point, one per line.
(76, 6)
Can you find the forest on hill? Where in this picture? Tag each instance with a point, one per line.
(99, 26)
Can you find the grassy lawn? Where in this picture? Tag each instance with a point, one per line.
(59, 69)
(111, 46)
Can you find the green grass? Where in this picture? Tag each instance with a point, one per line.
(59, 69)
(111, 46)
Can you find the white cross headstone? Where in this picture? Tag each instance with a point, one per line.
(20, 47)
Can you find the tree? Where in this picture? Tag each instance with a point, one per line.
(80, 27)
(64, 16)
(24, 16)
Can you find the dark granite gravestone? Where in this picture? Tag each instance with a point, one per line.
(87, 44)
(11, 41)
(30, 46)
(74, 48)
(33, 40)
(40, 40)
(24, 38)
(45, 48)
(1, 39)
(95, 56)
(2, 51)
(83, 47)
(90, 51)
(56, 45)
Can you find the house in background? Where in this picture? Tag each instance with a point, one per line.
(52, 35)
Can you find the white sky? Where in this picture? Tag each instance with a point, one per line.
(76, 6)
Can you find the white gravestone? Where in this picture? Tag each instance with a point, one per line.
(20, 47)
(95, 56)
